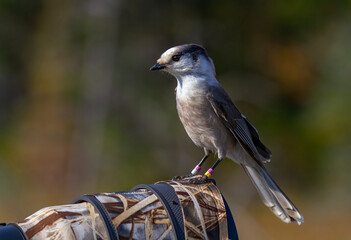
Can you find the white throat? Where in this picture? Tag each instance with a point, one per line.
(190, 85)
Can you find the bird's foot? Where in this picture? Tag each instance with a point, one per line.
(202, 180)
(177, 178)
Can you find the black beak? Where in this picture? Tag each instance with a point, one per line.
(157, 66)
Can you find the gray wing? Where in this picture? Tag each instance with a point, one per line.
(262, 149)
(245, 133)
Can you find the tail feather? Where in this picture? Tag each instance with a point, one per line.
(272, 196)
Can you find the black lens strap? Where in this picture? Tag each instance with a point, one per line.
(232, 232)
(171, 203)
(11, 231)
(112, 231)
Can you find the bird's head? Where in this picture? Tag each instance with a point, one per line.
(185, 60)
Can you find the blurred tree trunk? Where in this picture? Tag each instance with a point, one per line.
(97, 71)
(60, 148)
(45, 117)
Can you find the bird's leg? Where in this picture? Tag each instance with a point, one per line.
(206, 177)
(210, 171)
(197, 168)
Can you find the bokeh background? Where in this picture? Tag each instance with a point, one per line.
(81, 113)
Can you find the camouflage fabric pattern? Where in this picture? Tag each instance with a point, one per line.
(136, 215)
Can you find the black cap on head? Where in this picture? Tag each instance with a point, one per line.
(192, 48)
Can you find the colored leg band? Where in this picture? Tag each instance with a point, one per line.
(196, 170)
(209, 173)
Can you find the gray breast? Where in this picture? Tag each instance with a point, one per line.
(202, 124)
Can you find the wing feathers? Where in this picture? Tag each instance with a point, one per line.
(262, 149)
(238, 125)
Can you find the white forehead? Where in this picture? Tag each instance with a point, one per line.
(166, 56)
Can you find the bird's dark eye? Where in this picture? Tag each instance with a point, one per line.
(176, 58)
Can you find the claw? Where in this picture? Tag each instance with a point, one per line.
(202, 180)
(177, 178)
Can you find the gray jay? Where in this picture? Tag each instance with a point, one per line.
(214, 123)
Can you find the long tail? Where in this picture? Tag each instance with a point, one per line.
(272, 196)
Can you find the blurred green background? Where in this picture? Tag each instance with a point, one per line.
(81, 113)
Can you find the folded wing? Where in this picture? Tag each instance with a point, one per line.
(245, 133)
